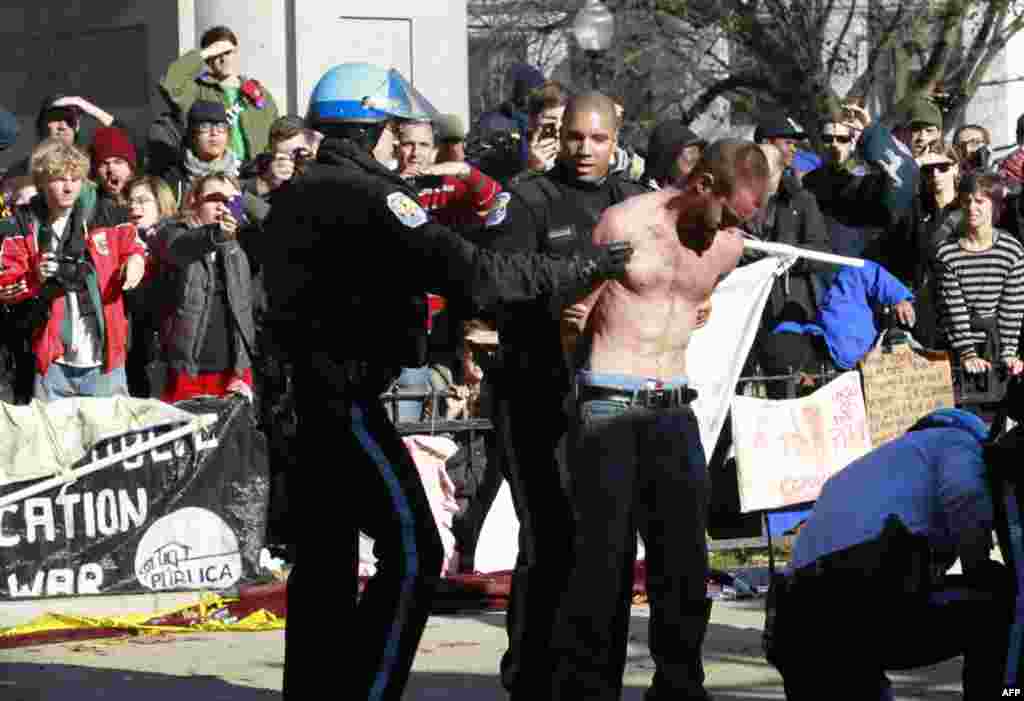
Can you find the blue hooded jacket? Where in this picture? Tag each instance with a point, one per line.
(845, 317)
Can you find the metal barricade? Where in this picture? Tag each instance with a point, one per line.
(434, 425)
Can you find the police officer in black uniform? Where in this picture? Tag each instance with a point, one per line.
(554, 213)
(347, 255)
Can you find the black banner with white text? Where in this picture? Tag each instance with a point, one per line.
(185, 514)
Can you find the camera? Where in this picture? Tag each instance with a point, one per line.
(72, 272)
(979, 160)
(549, 131)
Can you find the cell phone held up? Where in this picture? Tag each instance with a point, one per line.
(236, 206)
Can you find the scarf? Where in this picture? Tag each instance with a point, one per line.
(72, 244)
(195, 168)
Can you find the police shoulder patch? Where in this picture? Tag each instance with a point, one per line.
(498, 210)
(406, 209)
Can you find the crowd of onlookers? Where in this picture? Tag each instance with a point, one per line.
(128, 270)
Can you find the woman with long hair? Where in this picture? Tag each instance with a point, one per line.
(980, 278)
(937, 215)
(151, 208)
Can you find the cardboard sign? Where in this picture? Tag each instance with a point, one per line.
(785, 450)
(901, 386)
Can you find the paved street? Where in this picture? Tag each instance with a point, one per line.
(458, 660)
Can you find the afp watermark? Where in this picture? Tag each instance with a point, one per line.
(1012, 691)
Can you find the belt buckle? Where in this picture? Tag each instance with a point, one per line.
(652, 398)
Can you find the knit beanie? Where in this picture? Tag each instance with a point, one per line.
(924, 111)
(111, 142)
(667, 140)
(450, 128)
(206, 111)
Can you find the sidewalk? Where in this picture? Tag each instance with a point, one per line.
(458, 660)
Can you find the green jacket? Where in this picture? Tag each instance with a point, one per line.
(187, 81)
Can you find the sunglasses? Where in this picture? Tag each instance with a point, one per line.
(218, 197)
(937, 167)
(835, 138)
(482, 354)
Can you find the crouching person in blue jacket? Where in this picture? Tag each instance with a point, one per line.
(866, 590)
(844, 327)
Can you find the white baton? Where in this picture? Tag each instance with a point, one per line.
(782, 249)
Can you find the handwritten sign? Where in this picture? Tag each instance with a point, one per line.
(903, 385)
(785, 450)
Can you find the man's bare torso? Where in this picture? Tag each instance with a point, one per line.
(641, 325)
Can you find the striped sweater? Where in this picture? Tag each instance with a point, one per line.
(988, 283)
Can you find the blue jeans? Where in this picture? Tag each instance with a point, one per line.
(63, 381)
(634, 469)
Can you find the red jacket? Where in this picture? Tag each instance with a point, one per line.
(109, 248)
(456, 203)
(1012, 168)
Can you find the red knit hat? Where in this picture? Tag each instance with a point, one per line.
(111, 142)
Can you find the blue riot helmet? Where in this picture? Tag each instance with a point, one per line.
(356, 100)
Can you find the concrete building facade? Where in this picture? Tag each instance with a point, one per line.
(114, 52)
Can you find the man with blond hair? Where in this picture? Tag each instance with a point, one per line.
(78, 335)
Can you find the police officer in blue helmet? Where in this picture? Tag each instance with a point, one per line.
(867, 589)
(348, 255)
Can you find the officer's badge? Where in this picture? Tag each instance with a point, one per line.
(498, 210)
(100, 241)
(406, 209)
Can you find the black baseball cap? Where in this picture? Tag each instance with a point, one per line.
(777, 125)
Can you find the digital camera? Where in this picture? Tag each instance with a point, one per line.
(72, 272)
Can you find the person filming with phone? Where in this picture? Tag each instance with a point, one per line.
(208, 344)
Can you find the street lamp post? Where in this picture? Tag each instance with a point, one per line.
(594, 27)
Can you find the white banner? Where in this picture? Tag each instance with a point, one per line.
(43, 439)
(785, 450)
(717, 352)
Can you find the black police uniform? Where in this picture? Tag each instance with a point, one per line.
(347, 255)
(551, 213)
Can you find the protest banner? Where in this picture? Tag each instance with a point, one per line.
(718, 351)
(901, 385)
(188, 513)
(786, 449)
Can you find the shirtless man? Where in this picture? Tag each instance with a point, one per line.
(637, 459)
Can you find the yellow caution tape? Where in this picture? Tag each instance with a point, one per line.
(261, 620)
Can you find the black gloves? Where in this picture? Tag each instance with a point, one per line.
(609, 262)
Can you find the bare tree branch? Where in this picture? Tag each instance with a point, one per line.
(840, 42)
(721, 88)
(935, 68)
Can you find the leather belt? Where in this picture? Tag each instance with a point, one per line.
(646, 398)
